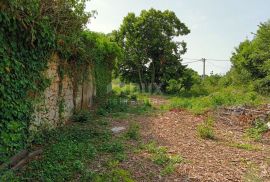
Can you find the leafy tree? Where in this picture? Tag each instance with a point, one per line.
(151, 54)
(251, 60)
(184, 83)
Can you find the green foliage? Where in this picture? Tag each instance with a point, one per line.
(25, 46)
(82, 116)
(170, 167)
(115, 174)
(69, 151)
(206, 129)
(30, 32)
(251, 61)
(161, 157)
(112, 147)
(256, 132)
(223, 97)
(8, 176)
(103, 53)
(133, 131)
(184, 83)
(150, 53)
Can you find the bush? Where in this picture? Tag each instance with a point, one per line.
(206, 130)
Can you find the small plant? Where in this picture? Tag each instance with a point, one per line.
(255, 133)
(206, 130)
(133, 131)
(169, 169)
(160, 158)
(82, 116)
(152, 147)
(147, 103)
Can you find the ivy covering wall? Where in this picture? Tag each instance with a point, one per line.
(26, 42)
(103, 54)
(29, 34)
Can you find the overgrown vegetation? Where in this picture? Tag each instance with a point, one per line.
(142, 51)
(223, 97)
(69, 152)
(257, 130)
(31, 31)
(26, 41)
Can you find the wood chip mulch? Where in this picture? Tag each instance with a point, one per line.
(205, 160)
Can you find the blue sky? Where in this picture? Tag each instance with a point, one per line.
(217, 26)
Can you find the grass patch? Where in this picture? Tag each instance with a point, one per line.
(69, 151)
(111, 172)
(224, 97)
(133, 131)
(256, 132)
(206, 129)
(160, 156)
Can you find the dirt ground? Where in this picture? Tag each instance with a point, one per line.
(205, 160)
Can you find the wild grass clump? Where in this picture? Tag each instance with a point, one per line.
(256, 131)
(160, 156)
(133, 131)
(206, 129)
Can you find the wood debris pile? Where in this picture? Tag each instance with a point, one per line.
(244, 115)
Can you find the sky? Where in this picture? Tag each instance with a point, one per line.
(217, 26)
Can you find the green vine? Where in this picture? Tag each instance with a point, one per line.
(26, 43)
(28, 36)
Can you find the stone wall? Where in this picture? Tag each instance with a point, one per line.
(47, 109)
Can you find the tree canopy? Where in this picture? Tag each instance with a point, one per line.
(151, 54)
(251, 59)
